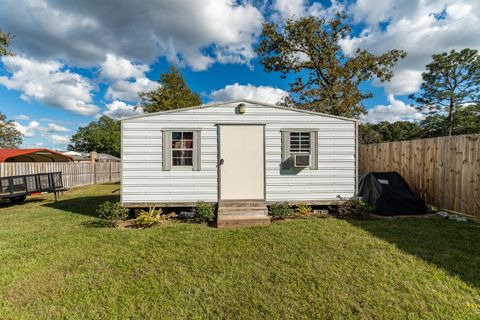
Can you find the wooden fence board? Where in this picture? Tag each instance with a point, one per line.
(444, 171)
(477, 177)
(74, 174)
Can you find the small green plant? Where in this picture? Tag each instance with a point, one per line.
(113, 212)
(281, 210)
(304, 210)
(204, 212)
(354, 207)
(150, 217)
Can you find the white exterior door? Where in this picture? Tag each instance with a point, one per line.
(241, 162)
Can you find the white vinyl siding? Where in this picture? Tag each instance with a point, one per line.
(144, 180)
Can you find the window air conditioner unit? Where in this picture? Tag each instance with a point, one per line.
(301, 160)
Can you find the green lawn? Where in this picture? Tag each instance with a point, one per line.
(57, 261)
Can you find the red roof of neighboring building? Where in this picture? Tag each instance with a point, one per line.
(32, 155)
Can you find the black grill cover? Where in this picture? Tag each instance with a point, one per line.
(390, 193)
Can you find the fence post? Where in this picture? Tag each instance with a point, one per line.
(94, 173)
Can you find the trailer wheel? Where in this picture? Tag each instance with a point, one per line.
(18, 199)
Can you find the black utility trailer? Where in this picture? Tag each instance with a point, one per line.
(17, 188)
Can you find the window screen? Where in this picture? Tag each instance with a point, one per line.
(182, 148)
(300, 142)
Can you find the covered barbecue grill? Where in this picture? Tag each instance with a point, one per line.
(390, 193)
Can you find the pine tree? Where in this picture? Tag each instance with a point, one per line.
(173, 93)
(451, 82)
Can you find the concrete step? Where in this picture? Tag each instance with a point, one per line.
(242, 212)
(244, 216)
(242, 208)
(243, 221)
(241, 203)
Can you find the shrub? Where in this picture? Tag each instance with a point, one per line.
(113, 212)
(354, 207)
(281, 210)
(150, 218)
(304, 210)
(204, 212)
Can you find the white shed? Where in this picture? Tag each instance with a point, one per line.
(238, 153)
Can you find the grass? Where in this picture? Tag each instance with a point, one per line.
(57, 261)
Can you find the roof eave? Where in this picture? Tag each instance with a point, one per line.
(214, 104)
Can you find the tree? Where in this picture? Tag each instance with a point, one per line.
(10, 137)
(467, 121)
(452, 81)
(101, 136)
(327, 79)
(399, 130)
(385, 132)
(368, 134)
(434, 125)
(173, 93)
(5, 43)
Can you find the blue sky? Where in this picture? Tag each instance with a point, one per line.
(78, 60)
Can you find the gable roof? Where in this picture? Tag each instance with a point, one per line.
(216, 104)
(32, 155)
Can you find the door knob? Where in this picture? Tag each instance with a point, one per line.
(220, 162)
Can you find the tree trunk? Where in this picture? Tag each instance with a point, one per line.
(450, 116)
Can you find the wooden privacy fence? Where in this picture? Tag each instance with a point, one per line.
(445, 171)
(74, 174)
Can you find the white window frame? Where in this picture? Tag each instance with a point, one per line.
(167, 150)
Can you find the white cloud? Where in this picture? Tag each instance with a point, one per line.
(128, 90)
(371, 11)
(422, 28)
(29, 129)
(299, 8)
(405, 82)
(33, 131)
(22, 117)
(119, 109)
(50, 84)
(328, 13)
(237, 91)
(52, 127)
(58, 139)
(396, 111)
(118, 68)
(84, 32)
(33, 145)
(126, 78)
(289, 8)
(459, 10)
